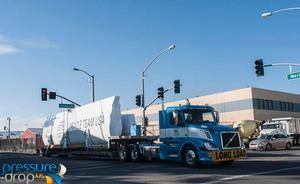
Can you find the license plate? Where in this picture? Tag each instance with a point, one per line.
(228, 155)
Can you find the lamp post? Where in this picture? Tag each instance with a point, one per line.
(93, 81)
(268, 14)
(143, 82)
(8, 119)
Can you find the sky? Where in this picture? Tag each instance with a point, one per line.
(217, 42)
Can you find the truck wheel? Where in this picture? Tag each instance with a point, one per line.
(268, 147)
(190, 157)
(123, 154)
(288, 146)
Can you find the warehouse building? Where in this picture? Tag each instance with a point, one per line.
(242, 104)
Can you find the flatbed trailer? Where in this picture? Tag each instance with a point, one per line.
(120, 147)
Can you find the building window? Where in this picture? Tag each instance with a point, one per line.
(280, 104)
(272, 104)
(257, 103)
(267, 104)
(263, 103)
(285, 106)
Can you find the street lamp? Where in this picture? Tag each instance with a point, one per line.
(268, 14)
(8, 119)
(143, 82)
(93, 80)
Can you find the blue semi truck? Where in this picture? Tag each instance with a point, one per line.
(189, 133)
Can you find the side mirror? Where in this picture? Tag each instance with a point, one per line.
(273, 138)
(217, 116)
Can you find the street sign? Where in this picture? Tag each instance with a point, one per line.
(295, 75)
(67, 106)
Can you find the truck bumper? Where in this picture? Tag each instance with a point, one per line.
(223, 155)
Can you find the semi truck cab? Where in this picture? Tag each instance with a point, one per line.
(192, 134)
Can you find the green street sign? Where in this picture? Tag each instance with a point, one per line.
(67, 106)
(295, 75)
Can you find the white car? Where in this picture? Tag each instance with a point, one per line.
(270, 142)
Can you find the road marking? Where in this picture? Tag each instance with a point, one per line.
(249, 175)
(88, 168)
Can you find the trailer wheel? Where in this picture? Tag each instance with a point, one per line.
(190, 157)
(45, 152)
(123, 154)
(134, 155)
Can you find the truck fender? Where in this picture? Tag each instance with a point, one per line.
(186, 144)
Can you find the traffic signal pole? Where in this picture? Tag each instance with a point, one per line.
(143, 102)
(259, 66)
(284, 64)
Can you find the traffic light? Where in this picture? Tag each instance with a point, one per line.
(160, 92)
(138, 100)
(44, 94)
(176, 86)
(259, 67)
(52, 95)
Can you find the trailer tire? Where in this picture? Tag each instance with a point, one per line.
(134, 156)
(45, 152)
(190, 157)
(123, 154)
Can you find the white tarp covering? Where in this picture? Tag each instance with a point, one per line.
(90, 124)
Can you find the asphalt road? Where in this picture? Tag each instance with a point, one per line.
(281, 166)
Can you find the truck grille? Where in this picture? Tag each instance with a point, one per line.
(230, 140)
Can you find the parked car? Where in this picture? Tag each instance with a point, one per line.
(269, 142)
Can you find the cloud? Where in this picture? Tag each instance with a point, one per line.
(41, 43)
(12, 46)
(8, 49)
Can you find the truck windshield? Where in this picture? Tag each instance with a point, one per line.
(271, 126)
(198, 116)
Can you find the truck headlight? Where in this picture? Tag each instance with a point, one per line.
(209, 146)
(242, 145)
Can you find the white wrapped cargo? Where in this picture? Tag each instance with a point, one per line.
(90, 124)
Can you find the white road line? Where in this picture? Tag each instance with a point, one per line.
(249, 175)
(88, 168)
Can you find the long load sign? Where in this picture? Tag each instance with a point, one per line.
(228, 155)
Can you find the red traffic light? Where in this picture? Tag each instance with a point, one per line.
(44, 94)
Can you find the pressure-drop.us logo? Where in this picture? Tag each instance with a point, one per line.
(28, 173)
